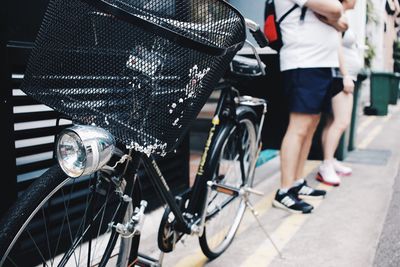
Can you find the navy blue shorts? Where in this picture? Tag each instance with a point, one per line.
(308, 90)
(337, 86)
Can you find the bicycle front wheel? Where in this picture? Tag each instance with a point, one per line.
(236, 148)
(60, 221)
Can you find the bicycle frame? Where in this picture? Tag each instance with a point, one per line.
(225, 110)
(225, 113)
(199, 193)
(95, 147)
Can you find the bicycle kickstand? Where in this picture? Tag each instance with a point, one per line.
(255, 213)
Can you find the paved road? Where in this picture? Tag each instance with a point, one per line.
(357, 225)
(388, 251)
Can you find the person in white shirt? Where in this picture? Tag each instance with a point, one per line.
(342, 104)
(309, 52)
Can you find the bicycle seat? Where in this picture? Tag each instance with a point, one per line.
(245, 66)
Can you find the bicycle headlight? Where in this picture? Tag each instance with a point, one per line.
(82, 150)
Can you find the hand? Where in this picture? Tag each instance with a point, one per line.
(348, 4)
(348, 84)
(321, 18)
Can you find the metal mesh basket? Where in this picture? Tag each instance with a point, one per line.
(140, 69)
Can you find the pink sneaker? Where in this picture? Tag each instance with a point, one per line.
(341, 169)
(327, 174)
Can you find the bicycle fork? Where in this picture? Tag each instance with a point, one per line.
(134, 225)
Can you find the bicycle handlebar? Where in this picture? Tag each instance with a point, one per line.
(258, 35)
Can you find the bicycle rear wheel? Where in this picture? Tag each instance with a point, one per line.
(236, 148)
(60, 221)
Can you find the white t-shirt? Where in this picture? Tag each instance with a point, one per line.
(307, 44)
(353, 62)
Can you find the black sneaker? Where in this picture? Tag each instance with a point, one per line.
(290, 202)
(303, 191)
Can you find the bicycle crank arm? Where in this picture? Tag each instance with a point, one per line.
(199, 228)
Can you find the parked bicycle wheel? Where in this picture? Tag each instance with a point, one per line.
(237, 146)
(60, 221)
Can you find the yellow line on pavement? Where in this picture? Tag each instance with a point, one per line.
(197, 259)
(365, 123)
(264, 255)
(370, 137)
(373, 133)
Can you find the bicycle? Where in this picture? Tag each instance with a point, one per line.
(95, 181)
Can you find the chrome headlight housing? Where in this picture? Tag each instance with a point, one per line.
(82, 149)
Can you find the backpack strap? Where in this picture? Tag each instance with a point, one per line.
(303, 13)
(287, 13)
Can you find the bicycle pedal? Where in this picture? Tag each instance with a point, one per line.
(225, 189)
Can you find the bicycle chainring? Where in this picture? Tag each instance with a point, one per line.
(167, 236)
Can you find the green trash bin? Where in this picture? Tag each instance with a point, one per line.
(380, 84)
(394, 88)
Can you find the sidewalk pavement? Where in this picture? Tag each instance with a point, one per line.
(353, 226)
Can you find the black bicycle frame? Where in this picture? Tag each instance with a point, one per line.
(226, 110)
(162, 188)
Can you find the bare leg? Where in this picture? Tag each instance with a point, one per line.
(325, 130)
(300, 127)
(305, 150)
(342, 105)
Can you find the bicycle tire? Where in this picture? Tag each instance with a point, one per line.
(211, 245)
(19, 225)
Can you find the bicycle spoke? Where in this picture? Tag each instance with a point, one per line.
(84, 231)
(59, 238)
(84, 220)
(101, 223)
(12, 261)
(114, 234)
(218, 208)
(36, 246)
(73, 241)
(233, 160)
(75, 221)
(90, 235)
(47, 234)
(224, 211)
(68, 222)
(62, 224)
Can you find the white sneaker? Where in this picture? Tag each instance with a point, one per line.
(327, 174)
(341, 169)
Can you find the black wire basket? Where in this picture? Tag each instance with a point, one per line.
(142, 69)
